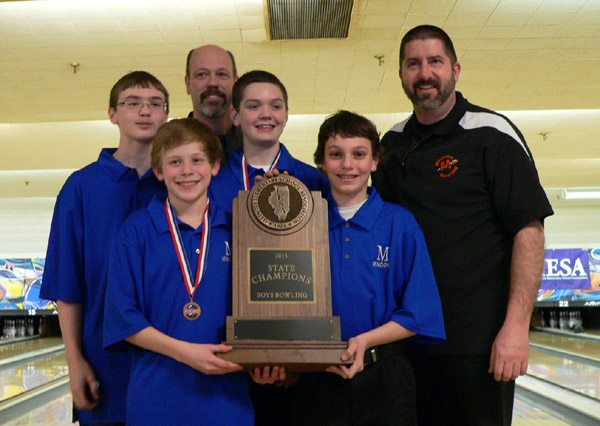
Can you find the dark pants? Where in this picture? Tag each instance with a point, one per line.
(458, 390)
(382, 394)
(76, 418)
(272, 404)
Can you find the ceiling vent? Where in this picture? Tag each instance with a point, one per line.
(308, 19)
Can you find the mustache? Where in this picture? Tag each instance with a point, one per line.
(212, 92)
(428, 82)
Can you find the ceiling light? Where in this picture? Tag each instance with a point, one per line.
(581, 193)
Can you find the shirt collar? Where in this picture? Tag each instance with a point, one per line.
(449, 122)
(114, 168)
(156, 209)
(286, 162)
(366, 217)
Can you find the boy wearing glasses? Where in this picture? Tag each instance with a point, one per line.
(89, 209)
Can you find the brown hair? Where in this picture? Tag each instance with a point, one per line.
(180, 132)
(256, 76)
(346, 124)
(136, 79)
(424, 32)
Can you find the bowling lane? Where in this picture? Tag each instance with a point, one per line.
(54, 413)
(576, 376)
(10, 349)
(22, 378)
(567, 344)
(527, 415)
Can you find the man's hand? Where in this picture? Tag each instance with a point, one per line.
(510, 353)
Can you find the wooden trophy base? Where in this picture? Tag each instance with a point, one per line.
(292, 356)
(260, 342)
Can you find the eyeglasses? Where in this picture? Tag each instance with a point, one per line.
(137, 104)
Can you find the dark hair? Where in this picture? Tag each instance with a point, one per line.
(346, 124)
(136, 79)
(189, 58)
(180, 132)
(256, 76)
(424, 32)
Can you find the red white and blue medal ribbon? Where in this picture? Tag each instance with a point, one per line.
(246, 176)
(191, 310)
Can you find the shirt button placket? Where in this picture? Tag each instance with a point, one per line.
(347, 239)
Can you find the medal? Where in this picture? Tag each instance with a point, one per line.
(191, 310)
(246, 176)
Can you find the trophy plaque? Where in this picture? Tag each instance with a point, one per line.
(281, 312)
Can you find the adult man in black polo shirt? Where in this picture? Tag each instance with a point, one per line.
(469, 178)
(209, 76)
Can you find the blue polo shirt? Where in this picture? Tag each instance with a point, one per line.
(89, 209)
(225, 186)
(146, 288)
(381, 272)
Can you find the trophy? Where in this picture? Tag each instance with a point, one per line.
(282, 312)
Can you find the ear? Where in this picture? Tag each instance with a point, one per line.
(374, 163)
(456, 71)
(187, 84)
(216, 168)
(235, 119)
(112, 114)
(158, 174)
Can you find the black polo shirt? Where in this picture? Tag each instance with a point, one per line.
(230, 141)
(471, 182)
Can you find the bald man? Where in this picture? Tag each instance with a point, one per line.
(209, 76)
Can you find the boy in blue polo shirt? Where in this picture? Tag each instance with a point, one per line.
(169, 292)
(383, 289)
(90, 207)
(260, 109)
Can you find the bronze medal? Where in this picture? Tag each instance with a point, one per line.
(191, 311)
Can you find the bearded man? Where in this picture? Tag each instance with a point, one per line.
(209, 76)
(467, 175)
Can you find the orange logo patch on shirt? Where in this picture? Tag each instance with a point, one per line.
(446, 166)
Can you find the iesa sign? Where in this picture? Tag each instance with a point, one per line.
(566, 269)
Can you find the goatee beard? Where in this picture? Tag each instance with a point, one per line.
(431, 103)
(213, 112)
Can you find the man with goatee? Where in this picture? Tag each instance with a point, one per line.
(467, 175)
(209, 76)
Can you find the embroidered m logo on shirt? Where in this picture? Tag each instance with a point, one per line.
(227, 256)
(383, 257)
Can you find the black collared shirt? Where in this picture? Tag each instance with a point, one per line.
(230, 141)
(471, 182)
